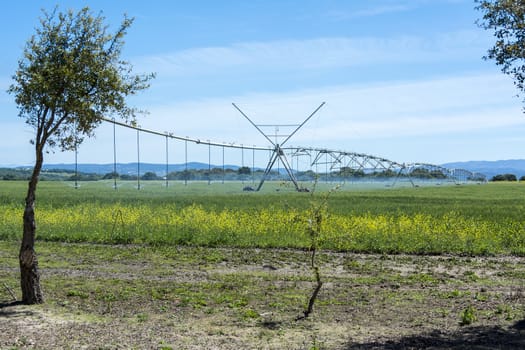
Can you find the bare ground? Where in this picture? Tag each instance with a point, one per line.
(122, 297)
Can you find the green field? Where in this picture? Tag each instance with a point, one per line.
(196, 278)
(469, 219)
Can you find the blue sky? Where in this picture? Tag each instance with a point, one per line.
(402, 79)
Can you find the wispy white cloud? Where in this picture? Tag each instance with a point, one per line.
(371, 11)
(430, 107)
(377, 8)
(321, 53)
(381, 119)
(432, 125)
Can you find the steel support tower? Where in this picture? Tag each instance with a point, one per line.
(278, 152)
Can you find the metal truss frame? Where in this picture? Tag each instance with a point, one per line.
(278, 152)
(332, 159)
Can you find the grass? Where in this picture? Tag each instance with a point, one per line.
(472, 220)
(193, 274)
(138, 296)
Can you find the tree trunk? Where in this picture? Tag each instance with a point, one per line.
(29, 273)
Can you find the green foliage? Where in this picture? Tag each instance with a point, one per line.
(468, 316)
(244, 170)
(250, 314)
(423, 173)
(504, 177)
(506, 311)
(71, 74)
(142, 317)
(507, 21)
(149, 175)
(77, 293)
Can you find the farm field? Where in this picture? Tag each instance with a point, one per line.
(210, 267)
(473, 220)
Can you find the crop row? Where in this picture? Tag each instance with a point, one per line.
(194, 224)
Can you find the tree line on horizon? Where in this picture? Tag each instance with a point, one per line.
(229, 174)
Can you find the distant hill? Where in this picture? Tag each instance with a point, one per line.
(491, 168)
(131, 168)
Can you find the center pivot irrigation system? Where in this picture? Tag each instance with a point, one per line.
(346, 165)
(278, 152)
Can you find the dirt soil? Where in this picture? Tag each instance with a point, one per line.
(129, 297)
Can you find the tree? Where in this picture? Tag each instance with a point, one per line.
(149, 175)
(110, 176)
(244, 170)
(70, 75)
(504, 177)
(507, 19)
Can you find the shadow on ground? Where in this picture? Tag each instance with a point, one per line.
(477, 338)
(10, 309)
